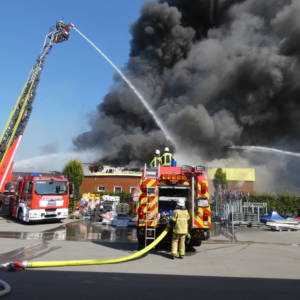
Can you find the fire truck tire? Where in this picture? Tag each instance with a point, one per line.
(141, 244)
(20, 216)
(190, 244)
(196, 243)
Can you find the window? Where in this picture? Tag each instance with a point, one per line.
(101, 189)
(117, 189)
(28, 187)
(131, 190)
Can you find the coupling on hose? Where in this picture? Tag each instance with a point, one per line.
(15, 266)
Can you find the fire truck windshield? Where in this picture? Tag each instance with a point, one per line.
(51, 187)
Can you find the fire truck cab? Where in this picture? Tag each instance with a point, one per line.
(159, 190)
(36, 197)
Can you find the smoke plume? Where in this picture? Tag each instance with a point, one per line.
(217, 73)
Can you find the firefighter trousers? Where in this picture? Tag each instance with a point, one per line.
(178, 244)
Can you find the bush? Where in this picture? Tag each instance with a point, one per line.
(284, 204)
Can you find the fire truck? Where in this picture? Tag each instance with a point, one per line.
(159, 190)
(36, 197)
(33, 197)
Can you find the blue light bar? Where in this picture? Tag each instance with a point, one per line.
(35, 175)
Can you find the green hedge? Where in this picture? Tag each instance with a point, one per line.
(284, 204)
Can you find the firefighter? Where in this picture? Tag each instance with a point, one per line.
(179, 222)
(156, 161)
(62, 33)
(166, 158)
(60, 25)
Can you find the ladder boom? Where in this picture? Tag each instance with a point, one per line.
(18, 119)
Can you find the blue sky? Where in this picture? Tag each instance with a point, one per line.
(75, 77)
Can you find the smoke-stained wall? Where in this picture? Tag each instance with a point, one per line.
(217, 73)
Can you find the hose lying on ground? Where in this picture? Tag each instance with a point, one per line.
(14, 266)
(4, 288)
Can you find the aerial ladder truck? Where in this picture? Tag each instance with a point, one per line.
(18, 119)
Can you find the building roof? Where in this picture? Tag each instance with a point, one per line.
(106, 171)
(234, 174)
(125, 174)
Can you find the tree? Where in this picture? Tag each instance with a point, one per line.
(74, 171)
(220, 178)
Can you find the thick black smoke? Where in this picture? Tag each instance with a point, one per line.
(217, 73)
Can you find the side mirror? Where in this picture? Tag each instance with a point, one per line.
(10, 187)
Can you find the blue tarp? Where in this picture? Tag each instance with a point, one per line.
(272, 216)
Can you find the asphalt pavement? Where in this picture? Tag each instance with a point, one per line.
(260, 265)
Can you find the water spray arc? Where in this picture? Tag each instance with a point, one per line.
(132, 87)
(265, 149)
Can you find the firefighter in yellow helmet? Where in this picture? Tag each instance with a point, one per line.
(156, 161)
(166, 158)
(179, 221)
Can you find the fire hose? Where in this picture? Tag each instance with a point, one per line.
(15, 266)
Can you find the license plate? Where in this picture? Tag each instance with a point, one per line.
(51, 203)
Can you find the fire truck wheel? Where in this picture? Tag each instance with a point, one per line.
(141, 245)
(191, 244)
(20, 216)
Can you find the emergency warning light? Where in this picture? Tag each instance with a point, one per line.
(173, 177)
(35, 175)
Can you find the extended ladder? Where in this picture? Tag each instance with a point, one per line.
(20, 114)
(18, 119)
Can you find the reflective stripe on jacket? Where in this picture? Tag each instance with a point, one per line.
(180, 218)
(166, 159)
(156, 161)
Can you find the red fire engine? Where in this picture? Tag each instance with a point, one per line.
(160, 189)
(35, 197)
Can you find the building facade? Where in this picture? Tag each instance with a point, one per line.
(109, 180)
(109, 183)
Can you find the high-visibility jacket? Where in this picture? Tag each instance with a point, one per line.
(166, 159)
(155, 162)
(180, 218)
